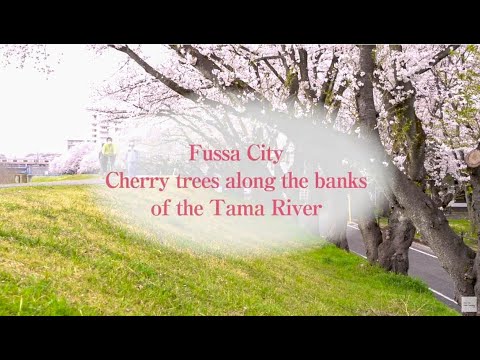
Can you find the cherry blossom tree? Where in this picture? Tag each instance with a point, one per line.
(35, 55)
(214, 89)
(457, 258)
(416, 104)
(399, 71)
(299, 80)
(81, 158)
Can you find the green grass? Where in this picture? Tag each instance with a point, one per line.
(383, 222)
(60, 255)
(64, 177)
(460, 226)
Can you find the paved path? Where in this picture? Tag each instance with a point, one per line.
(55, 183)
(423, 264)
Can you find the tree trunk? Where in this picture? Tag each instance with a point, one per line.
(475, 197)
(476, 270)
(393, 252)
(371, 233)
(475, 220)
(440, 195)
(453, 254)
(383, 206)
(372, 236)
(337, 235)
(471, 215)
(337, 232)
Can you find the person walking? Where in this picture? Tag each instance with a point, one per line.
(109, 150)
(131, 159)
(103, 161)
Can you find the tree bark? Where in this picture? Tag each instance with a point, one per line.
(337, 233)
(370, 230)
(471, 215)
(393, 252)
(475, 219)
(453, 254)
(372, 236)
(383, 205)
(401, 230)
(457, 258)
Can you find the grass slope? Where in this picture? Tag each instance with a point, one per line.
(463, 228)
(59, 255)
(64, 177)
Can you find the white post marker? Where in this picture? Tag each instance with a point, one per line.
(469, 304)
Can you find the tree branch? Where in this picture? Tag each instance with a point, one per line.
(206, 67)
(263, 58)
(438, 57)
(274, 71)
(187, 93)
(327, 86)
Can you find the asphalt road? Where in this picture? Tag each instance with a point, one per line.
(423, 264)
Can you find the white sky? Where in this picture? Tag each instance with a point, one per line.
(39, 114)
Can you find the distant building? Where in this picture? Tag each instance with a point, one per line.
(41, 156)
(72, 143)
(102, 129)
(10, 168)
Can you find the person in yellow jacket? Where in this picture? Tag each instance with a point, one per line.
(109, 150)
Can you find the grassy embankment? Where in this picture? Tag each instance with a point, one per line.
(60, 255)
(64, 177)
